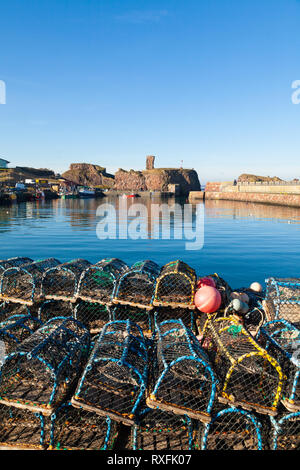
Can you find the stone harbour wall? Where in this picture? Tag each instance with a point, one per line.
(291, 200)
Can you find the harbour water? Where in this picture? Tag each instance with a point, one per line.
(243, 242)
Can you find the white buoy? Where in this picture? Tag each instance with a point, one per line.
(256, 287)
(240, 306)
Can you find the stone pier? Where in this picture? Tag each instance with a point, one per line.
(277, 193)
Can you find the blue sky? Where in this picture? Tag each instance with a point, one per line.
(111, 81)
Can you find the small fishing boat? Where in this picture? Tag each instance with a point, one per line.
(69, 195)
(130, 195)
(12, 196)
(40, 195)
(86, 192)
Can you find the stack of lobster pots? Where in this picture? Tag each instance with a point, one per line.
(168, 358)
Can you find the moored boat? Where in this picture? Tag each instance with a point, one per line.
(69, 195)
(130, 195)
(86, 192)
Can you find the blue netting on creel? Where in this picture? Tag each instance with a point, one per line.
(21, 429)
(183, 381)
(157, 430)
(23, 284)
(8, 309)
(78, 429)
(282, 340)
(282, 299)
(114, 381)
(187, 316)
(42, 369)
(16, 329)
(231, 429)
(285, 431)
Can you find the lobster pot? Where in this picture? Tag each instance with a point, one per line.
(202, 321)
(158, 430)
(23, 429)
(98, 282)
(14, 263)
(9, 309)
(50, 309)
(140, 316)
(61, 282)
(14, 330)
(167, 313)
(231, 429)
(283, 299)
(255, 317)
(78, 429)
(286, 432)
(23, 284)
(114, 381)
(250, 377)
(253, 320)
(136, 286)
(175, 287)
(40, 372)
(282, 340)
(183, 381)
(223, 287)
(93, 316)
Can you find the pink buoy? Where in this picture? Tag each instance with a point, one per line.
(206, 281)
(208, 299)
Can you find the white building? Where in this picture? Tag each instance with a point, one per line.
(3, 163)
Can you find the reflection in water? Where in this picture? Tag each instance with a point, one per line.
(243, 241)
(82, 213)
(235, 209)
(16, 214)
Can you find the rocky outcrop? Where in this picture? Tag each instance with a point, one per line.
(157, 179)
(86, 174)
(129, 180)
(247, 178)
(160, 179)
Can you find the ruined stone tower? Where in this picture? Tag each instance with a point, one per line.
(150, 162)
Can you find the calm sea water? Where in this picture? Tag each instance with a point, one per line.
(242, 242)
